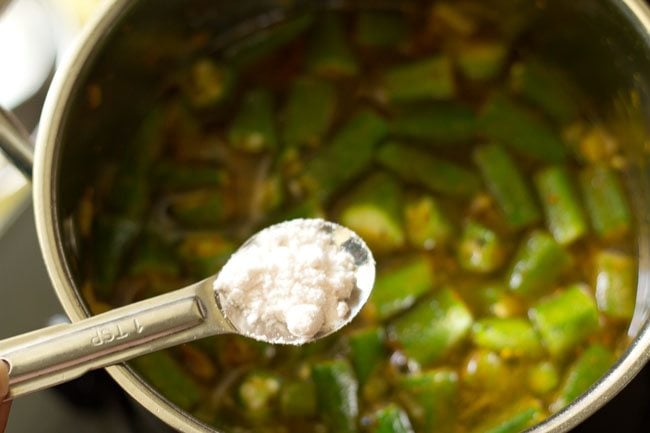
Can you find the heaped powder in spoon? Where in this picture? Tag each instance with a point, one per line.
(291, 283)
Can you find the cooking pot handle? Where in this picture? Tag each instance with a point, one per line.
(16, 143)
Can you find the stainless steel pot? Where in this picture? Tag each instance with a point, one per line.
(604, 45)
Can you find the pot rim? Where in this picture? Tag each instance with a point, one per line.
(54, 112)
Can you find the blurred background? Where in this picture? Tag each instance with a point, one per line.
(34, 37)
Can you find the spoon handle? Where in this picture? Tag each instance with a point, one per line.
(60, 353)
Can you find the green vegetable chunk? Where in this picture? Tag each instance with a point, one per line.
(208, 83)
(329, 53)
(374, 212)
(606, 203)
(169, 378)
(543, 378)
(430, 398)
(433, 328)
(510, 337)
(480, 249)
(398, 288)
(170, 176)
(566, 319)
(366, 351)
(616, 284)
(440, 124)
(504, 121)
(337, 388)
(381, 29)
(438, 175)
(391, 419)
(347, 155)
(428, 79)
(481, 60)
(426, 224)
(253, 129)
(507, 185)
(485, 370)
(202, 208)
(309, 112)
(564, 215)
(537, 265)
(298, 399)
(585, 371)
(154, 256)
(257, 394)
(513, 419)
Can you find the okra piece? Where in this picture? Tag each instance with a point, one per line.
(494, 299)
(168, 377)
(564, 215)
(419, 167)
(203, 254)
(349, 153)
(154, 256)
(510, 337)
(329, 53)
(426, 224)
(565, 320)
(398, 288)
(537, 265)
(337, 389)
(374, 211)
(485, 370)
(480, 249)
(382, 29)
(585, 371)
(481, 60)
(257, 394)
(309, 112)
(543, 378)
(439, 124)
(514, 419)
(298, 399)
(423, 80)
(172, 176)
(507, 185)
(203, 208)
(449, 17)
(208, 83)
(616, 284)
(430, 398)
(545, 88)
(391, 419)
(253, 128)
(504, 121)
(366, 351)
(433, 328)
(605, 201)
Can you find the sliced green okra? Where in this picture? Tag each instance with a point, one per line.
(537, 265)
(428, 79)
(200, 208)
(397, 289)
(585, 371)
(605, 201)
(436, 124)
(366, 351)
(438, 175)
(154, 255)
(374, 211)
(168, 377)
(329, 53)
(309, 112)
(507, 185)
(203, 254)
(513, 419)
(507, 122)
(433, 328)
(481, 60)
(337, 395)
(485, 370)
(510, 337)
(564, 215)
(258, 393)
(207, 83)
(346, 155)
(545, 88)
(449, 17)
(543, 378)
(426, 224)
(565, 319)
(493, 298)
(172, 176)
(253, 128)
(430, 398)
(298, 399)
(480, 249)
(391, 419)
(382, 29)
(616, 284)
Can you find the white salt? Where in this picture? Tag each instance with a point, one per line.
(288, 285)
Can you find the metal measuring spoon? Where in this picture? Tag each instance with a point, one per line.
(60, 353)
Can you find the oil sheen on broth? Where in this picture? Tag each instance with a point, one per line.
(495, 210)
